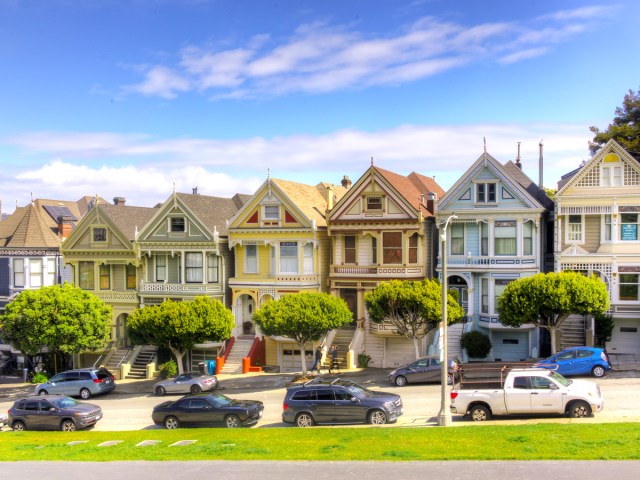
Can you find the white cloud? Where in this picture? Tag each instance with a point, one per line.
(320, 58)
(85, 163)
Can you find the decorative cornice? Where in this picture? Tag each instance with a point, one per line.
(28, 253)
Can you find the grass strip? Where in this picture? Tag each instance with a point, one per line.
(603, 441)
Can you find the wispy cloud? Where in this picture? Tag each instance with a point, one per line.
(319, 58)
(75, 164)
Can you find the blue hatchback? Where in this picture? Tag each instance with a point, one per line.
(578, 361)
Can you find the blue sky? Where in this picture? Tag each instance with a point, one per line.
(131, 97)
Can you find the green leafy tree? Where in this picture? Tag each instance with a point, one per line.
(625, 128)
(414, 308)
(65, 319)
(547, 299)
(303, 317)
(179, 326)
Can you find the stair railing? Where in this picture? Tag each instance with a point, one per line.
(106, 352)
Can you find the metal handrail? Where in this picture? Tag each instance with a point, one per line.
(103, 354)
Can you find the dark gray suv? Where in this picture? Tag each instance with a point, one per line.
(54, 412)
(338, 401)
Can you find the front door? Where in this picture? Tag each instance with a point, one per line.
(350, 296)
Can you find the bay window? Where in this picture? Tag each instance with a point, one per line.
(86, 275)
(251, 259)
(628, 287)
(105, 277)
(574, 229)
(131, 277)
(212, 269)
(391, 248)
(193, 267)
(413, 248)
(350, 249)
(505, 237)
(288, 257)
(18, 272)
(484, 239)
(527, 238)
(308, 258)
(161, 268)
(484, 295)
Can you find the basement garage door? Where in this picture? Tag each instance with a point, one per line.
(291, 358)
(399, 352)
(625, 337)
(510, 346)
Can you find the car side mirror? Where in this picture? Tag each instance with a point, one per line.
(553, 386)
(354, 400)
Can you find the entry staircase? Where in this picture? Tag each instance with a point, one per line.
(116, 359)
(454, 332)
(342, 339)
(240, 349)
(139, 368)
(573, 332)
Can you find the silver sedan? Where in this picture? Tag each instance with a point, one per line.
(191, 382)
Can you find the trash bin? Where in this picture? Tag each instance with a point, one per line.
(201, 368)
(211, 366)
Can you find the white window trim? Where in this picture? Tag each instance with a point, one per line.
(269, 219)
(567, 230)
(486, 193)
(611, 166)
(246, 257)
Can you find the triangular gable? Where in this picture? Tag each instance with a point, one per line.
(252, 213)
(574, 250)
(486, 168)
(80, 237)
(157, 228)
(372, 183)
(589, 176)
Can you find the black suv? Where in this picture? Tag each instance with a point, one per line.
(53, 412)
(338, 401)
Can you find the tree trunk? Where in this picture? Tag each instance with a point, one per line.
(552, 334)
(416, 344)
(179, 354)
(302, 359)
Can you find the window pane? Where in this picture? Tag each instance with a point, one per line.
(289, 257)
(350, 249)
(457, 239)
(251, 259)
(105, 271)
(480, 189)
(193, 267)
(308, 258)
(86, 275)
(272, 212)
(413, 248)
(484, 239)
(177, 225)
(629, 226)
(35, 272)
(527, 241)
(505, 238)
(212, 269)
(161, 268)
(131, 277)
(491, 192)
(629, 287)
(374, 251)
(99, 234)
(18, 272)
(374, 203)
(485, 296)
(392, 247)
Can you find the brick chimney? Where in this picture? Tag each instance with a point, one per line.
(119, 201)
(346, 182)
(65, 225)
(432, 198)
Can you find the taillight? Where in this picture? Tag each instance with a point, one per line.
(284, 406)
(454, 395)
(97, 380)
(208, 381)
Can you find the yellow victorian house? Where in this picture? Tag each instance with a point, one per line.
(281, 246)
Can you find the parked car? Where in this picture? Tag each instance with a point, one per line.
(207, 409)
(81, 382)
(425, 369)
(4, 420)
(578, 361)
(338, 401)
(53, 412)
(191, 382)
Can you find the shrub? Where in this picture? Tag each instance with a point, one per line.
(477, 344)
(168, 369)
(603, 329)
(39, 378)
(363, 360)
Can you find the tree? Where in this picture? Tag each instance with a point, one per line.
(414, 308)
(65, 319)
(625, 128)
(178, 326)
(303, 317)
(547, 299)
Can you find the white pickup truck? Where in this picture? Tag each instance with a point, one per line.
(527, 391)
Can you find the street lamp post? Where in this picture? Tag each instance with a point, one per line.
(444, 417)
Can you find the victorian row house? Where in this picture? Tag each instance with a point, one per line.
(597, 232)
(30, 255)
(496, 221)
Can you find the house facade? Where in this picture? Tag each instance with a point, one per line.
(597, 232)
(382, 229)
(280, 242)
(496, 233)
(183, 252)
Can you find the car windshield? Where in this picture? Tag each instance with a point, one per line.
(220, 400)
(565, 382)
(358, 391)
(65, 402)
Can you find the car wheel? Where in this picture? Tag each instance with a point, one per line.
(232, 421)
(377, 417)
(160, 391)
(401, 381)
(43, 392)
(479, 413)
(579, 409)
(171, 423)
(85, 394)
(19, 426)
(598, 371)
(195, 389)
(68, 426)
(305, 420)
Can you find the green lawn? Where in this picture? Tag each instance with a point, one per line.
(604, 441)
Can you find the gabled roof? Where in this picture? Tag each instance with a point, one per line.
(128, 220)
(34, 227)
(310, 200)
(414, 188)
(574, 177)
(214, 212)
(509, 173)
